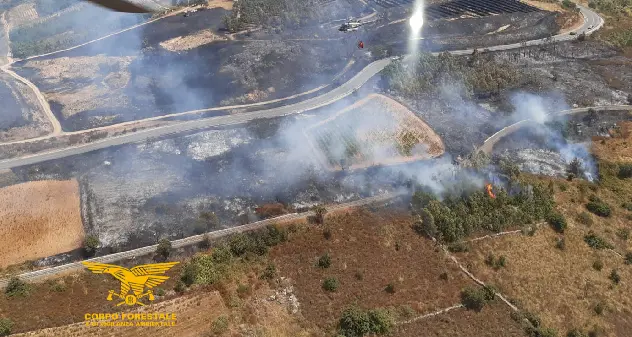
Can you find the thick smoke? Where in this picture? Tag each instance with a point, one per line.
(543, 110)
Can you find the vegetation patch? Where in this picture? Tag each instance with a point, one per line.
(468, 209)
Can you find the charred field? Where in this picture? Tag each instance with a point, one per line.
(180, 64)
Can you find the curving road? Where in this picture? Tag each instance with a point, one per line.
(590, 19)
(489, 143)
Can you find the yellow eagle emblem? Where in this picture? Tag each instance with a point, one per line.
(136, 279)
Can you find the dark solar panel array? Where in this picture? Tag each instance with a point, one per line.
(458, 8)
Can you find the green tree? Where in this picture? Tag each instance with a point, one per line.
(319, 214)
(164, 248)
(16, 287)
(354, 322)
(557, 221)
(91, 244)
(5, 326)
(324, 261)
(473, 299)
(614, 276)
(331, 284)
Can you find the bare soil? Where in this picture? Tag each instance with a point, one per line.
(39, 219)
(368, 251)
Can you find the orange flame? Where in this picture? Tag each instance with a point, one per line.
(489, 191)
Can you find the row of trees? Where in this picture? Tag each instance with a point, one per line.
(477, 74)
(460, 213)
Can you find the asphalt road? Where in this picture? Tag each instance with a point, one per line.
(590, 19)
(191, 240)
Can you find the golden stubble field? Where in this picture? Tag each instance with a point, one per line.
(39, 219)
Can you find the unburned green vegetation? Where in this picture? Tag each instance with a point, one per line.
(477, 74)
(469, 209)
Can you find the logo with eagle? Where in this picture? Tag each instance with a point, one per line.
(135, 279)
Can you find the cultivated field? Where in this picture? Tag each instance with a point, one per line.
(375, 130)
(39, 219)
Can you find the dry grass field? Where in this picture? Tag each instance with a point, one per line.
(618, 149)
(39, 219)
(22, 14)
(375, 130)
(492, 321)
(368, 251)
(563, 286)
(181, 43)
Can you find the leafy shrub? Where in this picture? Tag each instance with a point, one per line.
(625, 171)
(628, 258)
(319, 214)
(324, 261)
(91, 244)
(585, 218)
(179, 287)
(623, 233)
(557, 221)
(16, 287)
(220, 325)
(381, 321)
(614, 276)
(575, 333)
(495, 263)
(627, 206)
(560, 244)
(356, 322)
(597, 242)
(164, 248)
(458, 247)
(597, 265)
(599, 208)
(222, 254)
(269, 273)
(390, 288)
(331, 284)
(599, 308)
(327, 233)
(473, 299)
(243, 290)
(5, 326)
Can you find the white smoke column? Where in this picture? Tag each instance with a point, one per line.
(416, 22)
